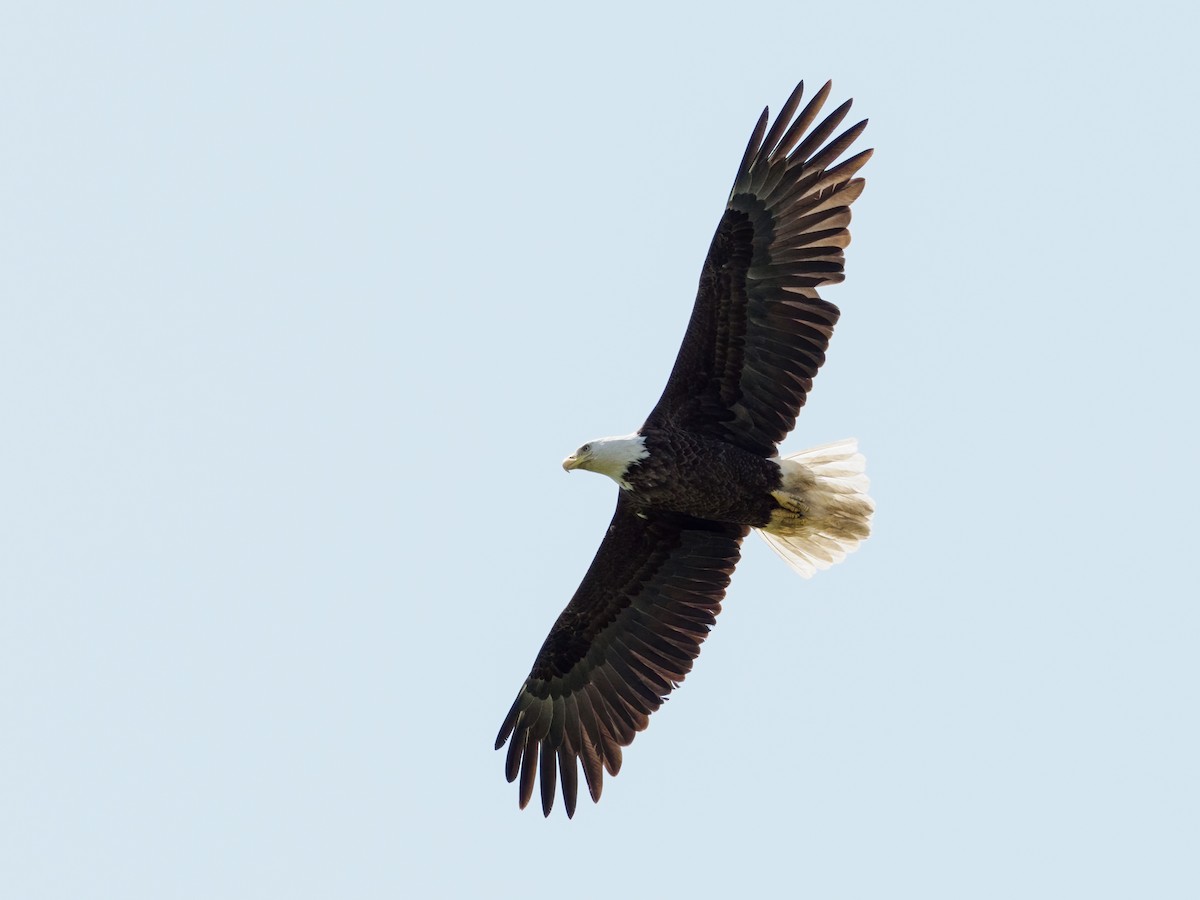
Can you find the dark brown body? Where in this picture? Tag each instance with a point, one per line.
(709, 479)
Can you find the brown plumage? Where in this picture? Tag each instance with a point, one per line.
(703, 469)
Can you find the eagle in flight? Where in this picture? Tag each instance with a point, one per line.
(705, 468)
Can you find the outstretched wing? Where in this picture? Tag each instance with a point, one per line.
(759, 330)
(628, 636)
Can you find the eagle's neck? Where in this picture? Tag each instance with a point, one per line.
(614, 456)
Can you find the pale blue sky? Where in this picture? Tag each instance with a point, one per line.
(301, 310)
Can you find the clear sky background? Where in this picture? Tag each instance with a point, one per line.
(300, 309)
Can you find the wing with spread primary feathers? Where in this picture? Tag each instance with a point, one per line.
(626, 639)
(759, 331)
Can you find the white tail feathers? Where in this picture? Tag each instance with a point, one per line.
(825, 511)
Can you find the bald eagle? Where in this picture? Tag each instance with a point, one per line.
(704, 468)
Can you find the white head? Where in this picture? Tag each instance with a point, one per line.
(611, 456)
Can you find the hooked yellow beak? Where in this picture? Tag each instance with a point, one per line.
(571, 462)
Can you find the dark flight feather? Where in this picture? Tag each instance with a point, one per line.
(661, 577)
(783, 201)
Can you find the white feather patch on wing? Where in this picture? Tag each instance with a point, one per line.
(825, 509)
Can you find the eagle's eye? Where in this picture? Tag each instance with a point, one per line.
(586, 448)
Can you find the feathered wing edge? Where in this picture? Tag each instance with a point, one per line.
(627, 638)
(759, 330)
(797, 199)
(792, 174)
